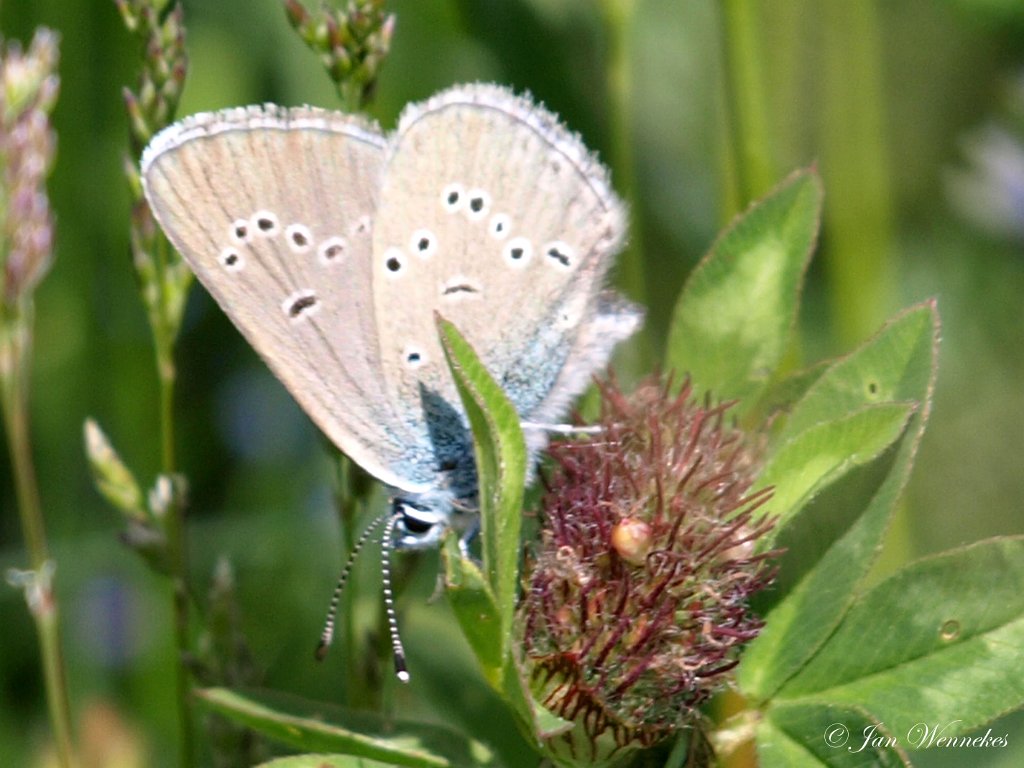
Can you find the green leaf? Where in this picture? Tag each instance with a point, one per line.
(817, 456)
(501, 468)
(944, 638)
(113, 479)
(319, 727)
(800, 735)
(780, 396)
(891, 367)
(806, 616)
(473, 604)
(732, 323)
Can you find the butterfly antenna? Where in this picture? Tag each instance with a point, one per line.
(327, 636)
(389, 601)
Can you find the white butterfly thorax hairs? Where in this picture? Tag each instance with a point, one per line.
(331, 245)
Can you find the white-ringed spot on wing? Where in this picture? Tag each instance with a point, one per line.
(500, 226)
(331, 250)
(559, 254)
(300, 305)
(231, 260)
(413, 357)
(423, 243)
(394, 262)
(460, 287)
(299, 238)
(478, 204)
(453, 197)
(239, 231)
(264, 223)
(517, 252)
(362, 226)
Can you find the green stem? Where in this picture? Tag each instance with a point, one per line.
(619, 16)
(858, 222)
(745, 107)
(14, 371)
(177, 544)
(351, 94)
(618, 22)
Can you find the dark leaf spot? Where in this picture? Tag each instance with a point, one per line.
(265, 224)
(476, 204)
(413, 357)
(453, 197)
(299, 238)
(332, 251)
(393, 264)
(516, 253)
(240, 231)
(231, 259)
(423, 244)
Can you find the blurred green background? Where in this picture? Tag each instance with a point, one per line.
(913, 111)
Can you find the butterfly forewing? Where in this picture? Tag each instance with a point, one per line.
(495, 216)
(274, 211)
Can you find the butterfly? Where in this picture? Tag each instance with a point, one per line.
(331, 245)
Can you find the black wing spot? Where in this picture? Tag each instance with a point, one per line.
(300, 304)
(460, 288)
(559, 256)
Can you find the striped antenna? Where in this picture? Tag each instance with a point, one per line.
(389, 602)
(327, 636)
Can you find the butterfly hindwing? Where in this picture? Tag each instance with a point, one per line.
(494, 215)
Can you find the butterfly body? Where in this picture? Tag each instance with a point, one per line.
(332, 246)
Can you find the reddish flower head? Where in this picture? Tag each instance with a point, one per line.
(638, 593)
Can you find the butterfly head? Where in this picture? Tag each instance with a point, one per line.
(421, 521)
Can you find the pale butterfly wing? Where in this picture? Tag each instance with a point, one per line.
(273, 209)
(494, 215)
